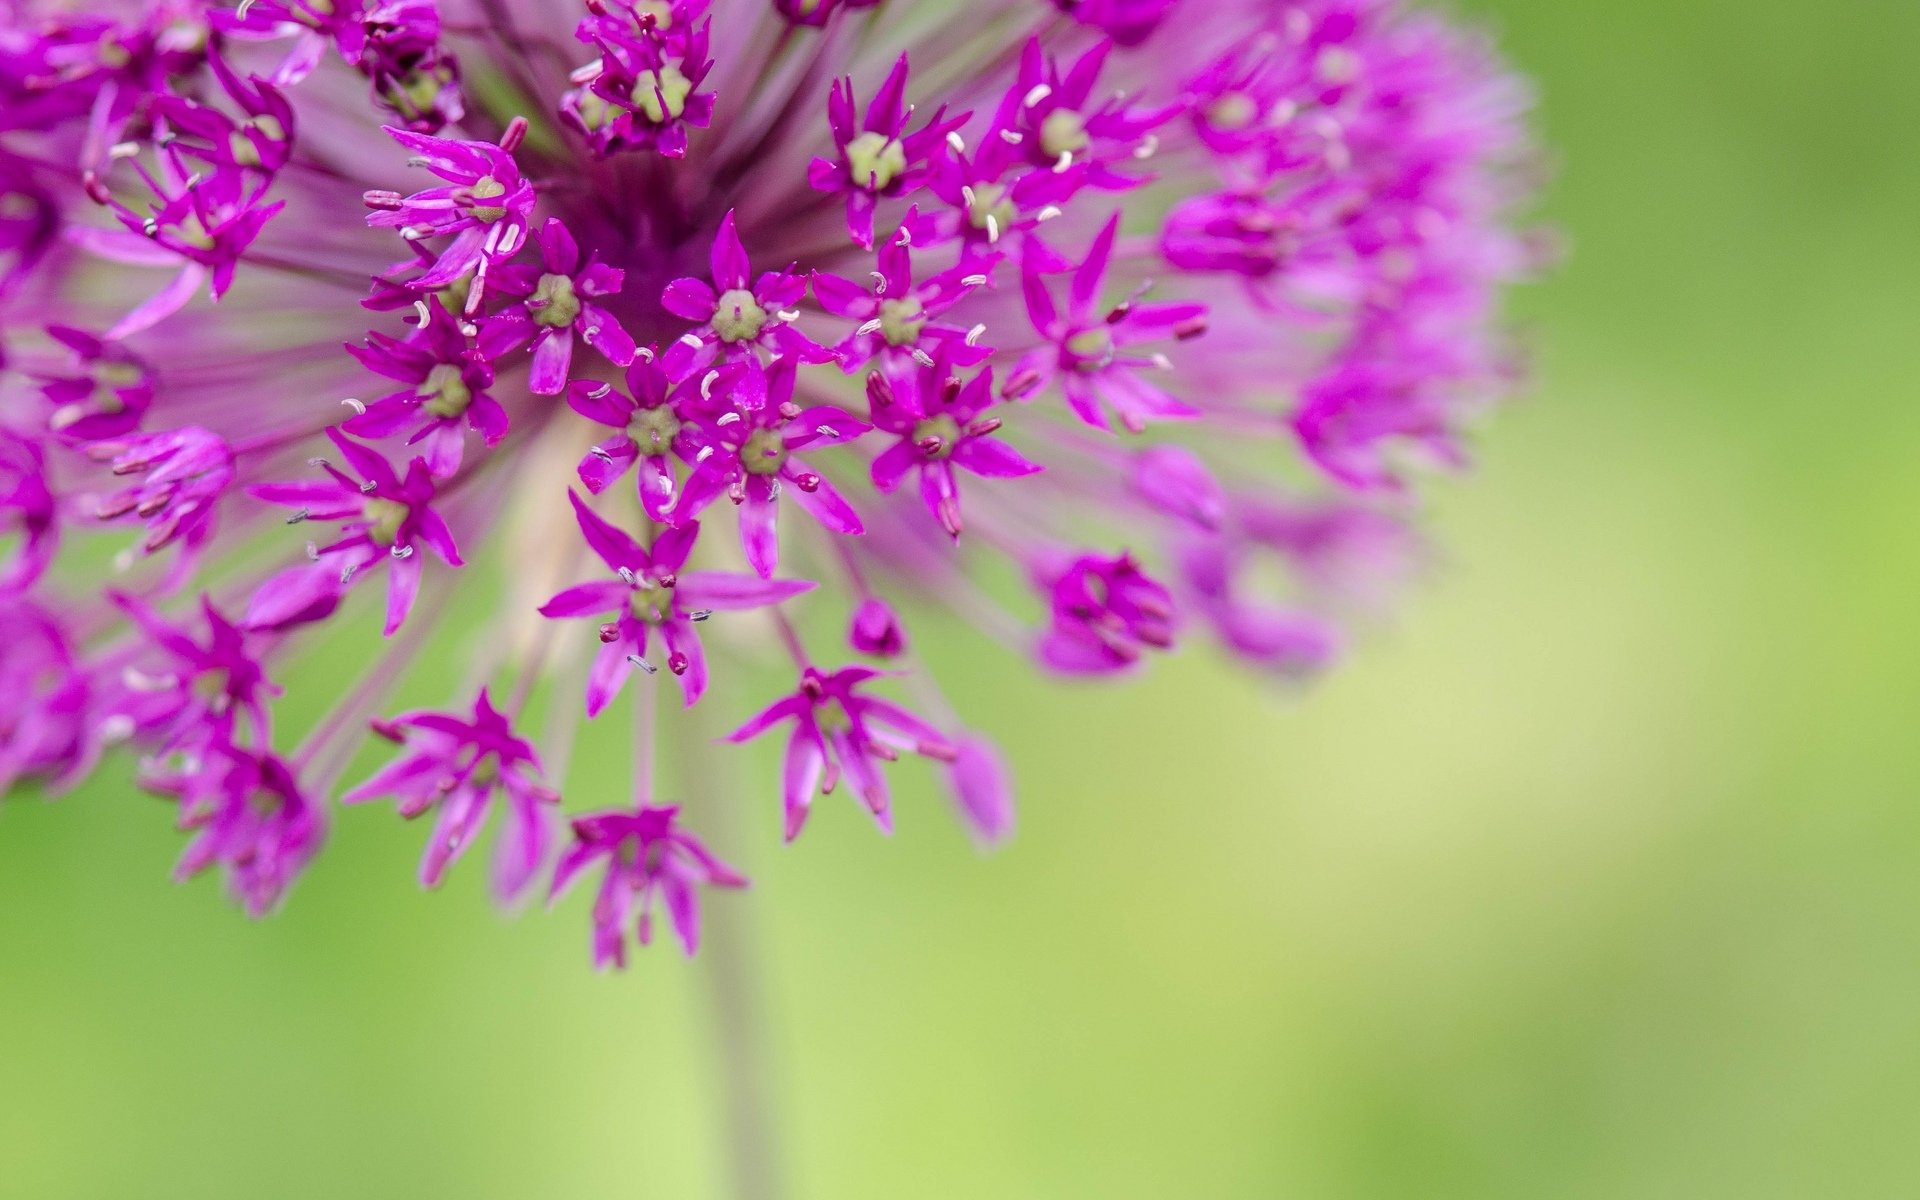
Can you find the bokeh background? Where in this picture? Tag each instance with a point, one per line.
(1596, 874)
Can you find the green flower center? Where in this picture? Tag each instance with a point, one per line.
(1235, 110)
(875, 160)
(765, 452)
(668, 99)
(446, 393)
(487, 188)
(902, 320)
(387, 517)
(650, 603)
(1063, 132)
(991, 200)
(939, 426)
(738, 317)
(1092, 349)
(653, 429)
(554, 304)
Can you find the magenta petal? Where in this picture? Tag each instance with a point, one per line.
(403, 584)
(826, 505)
(690, 299)
(759, 533)
(587, 600)
(992, 458)
(552, 359)
(727, 591)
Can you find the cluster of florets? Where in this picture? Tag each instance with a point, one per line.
(735, 270)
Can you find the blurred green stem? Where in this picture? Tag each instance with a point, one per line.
(730, 962)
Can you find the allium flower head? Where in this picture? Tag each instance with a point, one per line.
(722, 334)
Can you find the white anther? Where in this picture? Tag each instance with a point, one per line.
(355, 405)
(116, 728)
(626, 574)
(1161, 361)
(729, 419)
(789, 315)
(402, 552)
(643, 664)
(922, 357)
(596, 393)
(1011, 137)
(1148, 147)
(966, 194)
(123, 149)
(690, 340)
(879, 283)
(313, 552)
(953, 140)
(139, 681)
(1063, 162)
(973, 281)
(993, 228)
(1035, 94)
(1048, 213)
(643, 354)
(904, 236)
(706, 384)
(469, 329)
(870, 328)
(706, 452)
(826, 431)
(420, 306)
(975, 334)
(601, 453)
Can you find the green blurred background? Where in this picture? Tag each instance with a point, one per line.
(1597, 875)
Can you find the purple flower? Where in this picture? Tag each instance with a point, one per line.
(48, 724)
(559, 299)
(839, 731)
(747, 455)
(205, 690)
(485, 211)
(456, 764)
(107, 392)
(1127, 22)
(1089, 351)
(648, 857)
(1324, 207)
(1106, 613)
(249, 816)
(876, 630)
(184, 473)
(385, 517)
(447, 374)
(643, 91)
(654, 593)
(738, 318)
(1056, 122)
(28, 510)
(878, 156)
(938, 419)
(651, 431)
(901, 319)
(817, 12)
